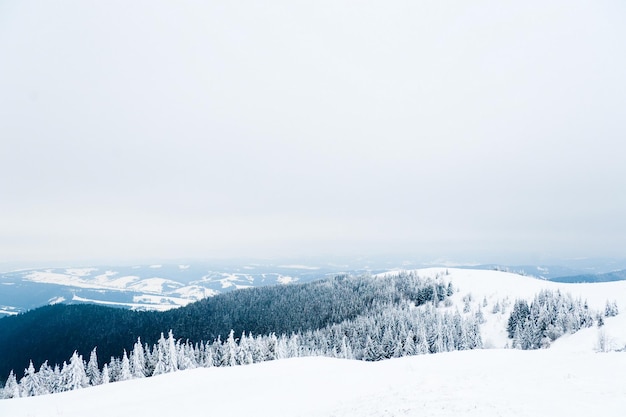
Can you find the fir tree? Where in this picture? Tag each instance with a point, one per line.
(105, 374)
(138, 360)
(93, 371)
(73, 376)
(11, 388)
(125, 373)
(30, 384)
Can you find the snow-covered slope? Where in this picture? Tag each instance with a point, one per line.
(477, 383)
(569, 379)
(486, 289)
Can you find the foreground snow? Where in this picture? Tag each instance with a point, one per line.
(481, 383)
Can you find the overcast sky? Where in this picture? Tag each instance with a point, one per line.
(201, 129)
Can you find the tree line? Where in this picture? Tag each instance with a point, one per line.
(53, 333)
(390, 332)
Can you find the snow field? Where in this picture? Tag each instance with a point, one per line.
(476, 383)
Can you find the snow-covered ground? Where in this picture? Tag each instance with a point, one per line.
(488, 288)
(477, 383)
(569, 379)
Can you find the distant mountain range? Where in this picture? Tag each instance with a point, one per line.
(606, 277)
(141, 287)
(573, 272)
(162, 287)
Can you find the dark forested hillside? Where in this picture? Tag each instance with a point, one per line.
(53, 333)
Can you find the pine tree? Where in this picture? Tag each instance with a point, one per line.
(372, 350)
(611, 310)
(11, 388)
(282, 350)
(172, 356)
(49, 378)
(105, 374)
(73, 376)
(138, 360)
(345, 351)
(422, 345)
(115, 368)
(125, 374)
(518, 316)
(30, 384)
(229, 354)
(160, 366)
(244, 354)
(293, 346)
(93, 370)
(271, 344)
(186, 356)
(257, 348)
(218, 349)
(209, 360)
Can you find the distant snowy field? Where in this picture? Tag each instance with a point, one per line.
(141, 287)
(478, 383)
(569, 379)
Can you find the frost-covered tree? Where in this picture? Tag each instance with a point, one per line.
(422, 344)
(229, 353)
(209, 360)
(166, 355)
(74, 376)
(125, 373)
(160, 366)
(11, 387)
(115, 368)
(518, 316)
(105, 374)
(49, 378)
(244, 353)
(171, 357)
(138, 360)
(282, 348)
(93, 371)
(271, 345)
(187, 357)
(611, 310)
(30, 384)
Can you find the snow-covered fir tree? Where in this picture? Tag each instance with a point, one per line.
(93, 371)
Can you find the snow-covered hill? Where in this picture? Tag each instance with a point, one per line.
(495, 292)
(571, 378)
(477, 383)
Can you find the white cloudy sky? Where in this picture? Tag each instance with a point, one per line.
(442, 128)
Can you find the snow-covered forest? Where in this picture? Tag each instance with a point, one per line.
(401, 314)
(564, 376)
